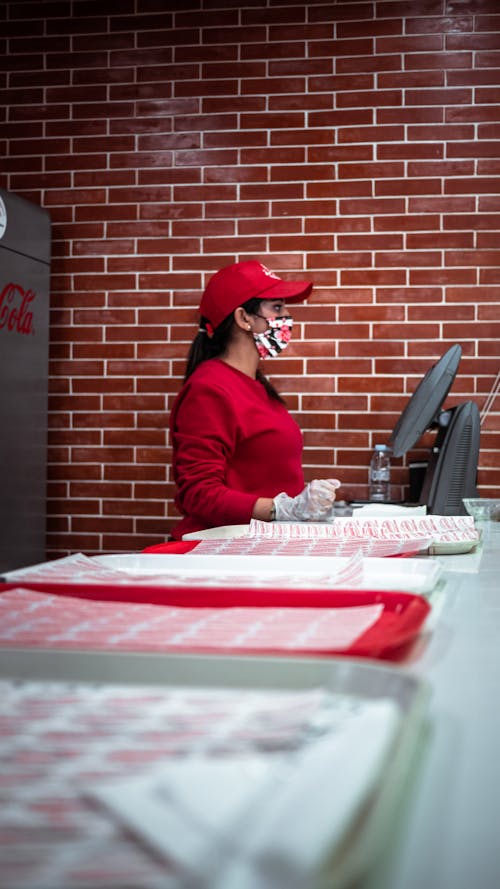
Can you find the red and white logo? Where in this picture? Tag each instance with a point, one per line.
(15, 309)
(267, 272)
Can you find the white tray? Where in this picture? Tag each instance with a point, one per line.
(411, 575)
(372, 813)
(223, 532)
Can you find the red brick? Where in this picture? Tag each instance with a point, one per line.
(371, 134)
(299, 242)
(408, 151)
(453, 96)
(433, 277)
(236, 210)
(256, 159)
(380, 206)
(489, 203)
(447, 132)
(373, 313)
(338, 224)
(350, 116)
(376, 277)
(441, 168)
(422, 24)
(488, 59)
(134, 473)
(370, 242)
(347, 188)
(478, 185)
(489, 276)
(337, 48)
(488, 240)
(407, 258)
(441, 205)
(368, 28)
(489, 131)
(377, 98)
(353, 64)
(407, 223)
(488, 313)
(418, 186)
(101, 524)
(341, 152)
(409, 115)
(473, 294)
(410, 45)
(445, 60)
(369, 170)
(441, 313)
(474, 77)
(483, 330)
(336, 83)
(487, 167)
(477, 258)
(410, 295)
(440, 240)
(405, 80)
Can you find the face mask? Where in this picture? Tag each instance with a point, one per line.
(276, 338)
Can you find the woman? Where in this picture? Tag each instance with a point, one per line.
(237, 452)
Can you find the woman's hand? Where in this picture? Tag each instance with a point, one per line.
(313, 504)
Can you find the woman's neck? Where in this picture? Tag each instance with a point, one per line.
(243, 356)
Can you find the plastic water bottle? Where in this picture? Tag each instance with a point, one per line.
(380, 474)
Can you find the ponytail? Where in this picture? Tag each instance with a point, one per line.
(208, 343)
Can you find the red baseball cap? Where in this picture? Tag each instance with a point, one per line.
(233, 285)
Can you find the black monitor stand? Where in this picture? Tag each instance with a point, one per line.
(452, 469)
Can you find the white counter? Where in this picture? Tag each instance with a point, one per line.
(449, 834)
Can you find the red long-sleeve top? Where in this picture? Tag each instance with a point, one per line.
(232, 443)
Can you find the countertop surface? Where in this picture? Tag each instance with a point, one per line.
(448, 836)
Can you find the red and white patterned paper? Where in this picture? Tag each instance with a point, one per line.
(28, 618)
(79, 568)
(312, 546)
(57, 739)
(371, 536)
(439, 528)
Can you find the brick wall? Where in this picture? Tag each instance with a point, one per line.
(357, 143)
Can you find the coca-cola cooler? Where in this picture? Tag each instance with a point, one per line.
(24, 332)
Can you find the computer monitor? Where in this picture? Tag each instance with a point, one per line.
(451, 472)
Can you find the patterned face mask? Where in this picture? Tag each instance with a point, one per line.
(276, 338)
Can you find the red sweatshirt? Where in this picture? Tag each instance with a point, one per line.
(232, 444)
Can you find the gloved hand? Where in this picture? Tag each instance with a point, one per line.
(313, 504)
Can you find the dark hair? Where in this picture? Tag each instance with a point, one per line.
(204, 346)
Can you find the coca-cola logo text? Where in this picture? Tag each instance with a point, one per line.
(15, 305)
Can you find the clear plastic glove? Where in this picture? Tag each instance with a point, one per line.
(313, 504)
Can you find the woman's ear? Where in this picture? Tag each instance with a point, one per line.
(242, 319)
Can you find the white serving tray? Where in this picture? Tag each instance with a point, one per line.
(374, 812)
(418, 576)
(222, 532)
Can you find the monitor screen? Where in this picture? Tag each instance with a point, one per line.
(451, 471)
(422, 410)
